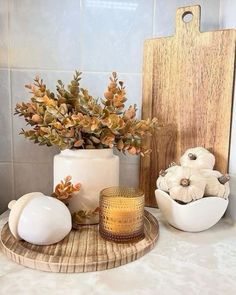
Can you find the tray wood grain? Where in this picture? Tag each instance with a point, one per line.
(82, 250)
(188, 85)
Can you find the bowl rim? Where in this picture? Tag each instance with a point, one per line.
(203, 199)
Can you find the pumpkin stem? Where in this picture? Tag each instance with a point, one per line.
(210, 149)
(172, 164)
(224, 178)
(162, 173)
(185, 182)
(192, 156)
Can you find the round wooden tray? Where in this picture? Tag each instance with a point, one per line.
(82, 250)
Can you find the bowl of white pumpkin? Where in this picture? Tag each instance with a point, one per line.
(192, 196)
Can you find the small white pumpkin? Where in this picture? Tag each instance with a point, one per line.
(198, 158)
(186, 185)
(164, 175)
(217, 184)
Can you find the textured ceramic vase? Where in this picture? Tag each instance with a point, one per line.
(95, 169)
(193, 217)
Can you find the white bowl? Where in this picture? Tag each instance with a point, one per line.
(193, 217)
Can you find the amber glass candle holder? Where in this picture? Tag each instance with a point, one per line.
(121, 214)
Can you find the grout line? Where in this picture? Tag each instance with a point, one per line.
(153, 18)
(12, 141)
(8, 34)
(10, 97)
(220, 24)
(81, 34)
(70, 71)
(26, 162)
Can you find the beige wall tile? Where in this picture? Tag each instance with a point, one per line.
(5, 117)
(4, 36)
(45, 34)
(6, 185)
(164, 23)
(129, 174)
(33, 177)
(113, 34)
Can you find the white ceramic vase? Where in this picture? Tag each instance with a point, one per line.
(193, 217)
(95, 169)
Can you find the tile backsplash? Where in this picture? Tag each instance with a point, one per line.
(52, 38)
(117, 30)
(4, 39)
(228, 20)
(6, 118)
(45, 34)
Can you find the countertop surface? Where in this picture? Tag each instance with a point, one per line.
(181, 263)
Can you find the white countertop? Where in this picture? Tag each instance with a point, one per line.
(181, 263)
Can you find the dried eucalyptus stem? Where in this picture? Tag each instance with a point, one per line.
(73, 119)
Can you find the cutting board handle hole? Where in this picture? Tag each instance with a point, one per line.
(187, 16)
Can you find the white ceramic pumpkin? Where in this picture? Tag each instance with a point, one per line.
(198, 158)
(186, 185)
(39, 219)
(164, 175)
(217, 184)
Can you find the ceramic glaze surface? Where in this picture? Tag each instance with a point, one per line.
(44, 221)
(193, 217)
(94, 169)
(16, 208)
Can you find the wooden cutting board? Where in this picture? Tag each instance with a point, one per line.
(188, 85)
(83, 250)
